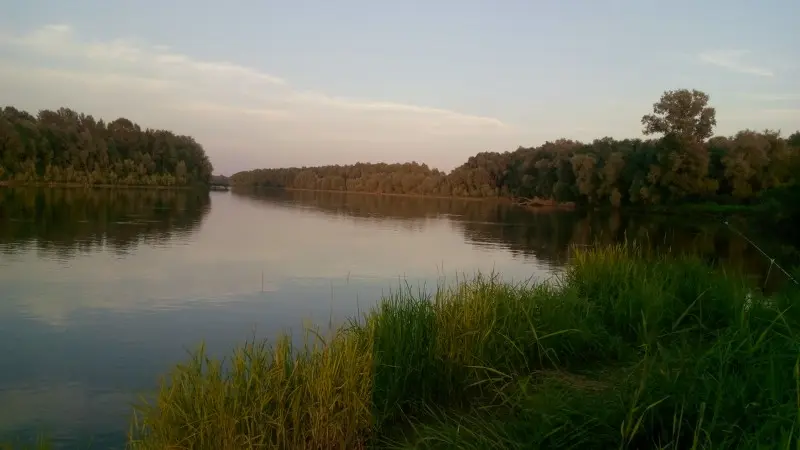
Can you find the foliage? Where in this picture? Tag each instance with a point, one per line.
(220, 180)
(681, 166)
(63, 146)
(682, 113)
(625, 350)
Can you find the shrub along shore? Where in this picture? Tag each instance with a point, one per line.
(624, 350)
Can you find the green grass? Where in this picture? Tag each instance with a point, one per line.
(625, 350)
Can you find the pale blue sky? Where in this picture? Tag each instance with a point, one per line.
(267, 83)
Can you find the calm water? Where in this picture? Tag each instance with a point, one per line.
(102, 291)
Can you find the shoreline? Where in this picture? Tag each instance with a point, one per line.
(489, 363)
(539, 205)
(12, 184)
(498, 199)
(530, 204)
(518, 364)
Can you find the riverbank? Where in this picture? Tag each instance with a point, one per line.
(534, 204)
(624, 350)
(99, 186)
(378, 194)
(765, 204)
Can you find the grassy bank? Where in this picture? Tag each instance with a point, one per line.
(626, 350)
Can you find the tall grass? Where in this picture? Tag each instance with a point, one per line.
(625, 350)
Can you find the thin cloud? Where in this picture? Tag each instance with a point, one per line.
(269, 114)
(782, 112)
(733, 61)
(121, 59)
(773, 97)
(375, 106)
(60, 41)
(274, 121)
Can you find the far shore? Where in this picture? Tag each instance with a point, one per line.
(536, 204)
(83, 185)
(542, 204)
(531, 203)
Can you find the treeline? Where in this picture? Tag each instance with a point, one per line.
(64, 146)
(220, 180)
(682, 165)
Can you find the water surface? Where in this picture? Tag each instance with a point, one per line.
(102, 291)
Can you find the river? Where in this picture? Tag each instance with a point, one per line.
(103, 291)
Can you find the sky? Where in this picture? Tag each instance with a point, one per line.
(312, 82)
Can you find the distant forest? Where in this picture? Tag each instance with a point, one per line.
(64, 146)
(684, 164)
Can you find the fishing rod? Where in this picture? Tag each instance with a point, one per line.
(771, 259)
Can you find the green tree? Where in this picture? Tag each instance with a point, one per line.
(681, 165)
(686, 121)
(682, 113)
(68, 147)
(794, 139)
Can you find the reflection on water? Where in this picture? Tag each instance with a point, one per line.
(544, 235)
(62, 222)
(101, 291)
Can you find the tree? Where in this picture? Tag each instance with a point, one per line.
(64, 146)
(682, 113)
(682, 165)
(794, 139)
(686, 121)
(180, 171)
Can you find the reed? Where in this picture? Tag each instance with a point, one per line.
(625, 350)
